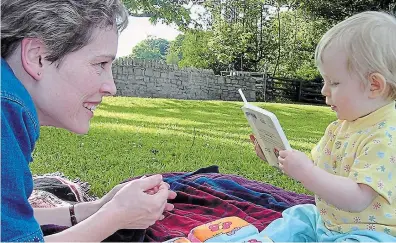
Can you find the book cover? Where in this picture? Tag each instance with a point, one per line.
(267, 130)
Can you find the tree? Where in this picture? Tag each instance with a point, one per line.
(240, 31)
(337, 10)
(175, 53)
(255, 35)
(151, 49)
(278, 36)
(195, 51)
(296, 42)
(167, 11)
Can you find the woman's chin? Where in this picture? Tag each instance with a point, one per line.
(79, 128)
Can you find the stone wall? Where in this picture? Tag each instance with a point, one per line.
(158, 80)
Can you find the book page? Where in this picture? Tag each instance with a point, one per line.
(266, 134)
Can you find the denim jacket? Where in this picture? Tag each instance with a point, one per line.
(19, 132)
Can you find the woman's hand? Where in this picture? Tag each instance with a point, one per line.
(134, 208)
(257, 148)
(106, 198)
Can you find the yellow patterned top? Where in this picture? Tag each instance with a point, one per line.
(365, 151)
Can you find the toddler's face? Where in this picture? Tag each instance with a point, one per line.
(347, 95)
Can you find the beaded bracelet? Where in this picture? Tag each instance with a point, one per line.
(73, 218)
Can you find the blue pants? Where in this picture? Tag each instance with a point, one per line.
(303, 223)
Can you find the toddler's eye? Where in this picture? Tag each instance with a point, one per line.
(102, 64)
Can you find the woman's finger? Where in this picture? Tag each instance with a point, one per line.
(169, 207)
(172, 195)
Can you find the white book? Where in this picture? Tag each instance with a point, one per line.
(267, 130)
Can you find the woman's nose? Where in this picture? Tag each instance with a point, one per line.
(109, 88)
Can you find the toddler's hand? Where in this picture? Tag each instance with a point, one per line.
(295, 164)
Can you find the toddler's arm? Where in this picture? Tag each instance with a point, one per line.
(342, 192)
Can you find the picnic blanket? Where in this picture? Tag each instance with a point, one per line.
(203, 196)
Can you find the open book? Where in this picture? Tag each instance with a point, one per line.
(267, 130)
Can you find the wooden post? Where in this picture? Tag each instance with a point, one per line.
(299, 90)
(264, 87)
(265, 76)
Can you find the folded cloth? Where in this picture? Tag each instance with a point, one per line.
(70, 192)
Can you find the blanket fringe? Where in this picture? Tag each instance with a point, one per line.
(84, 187)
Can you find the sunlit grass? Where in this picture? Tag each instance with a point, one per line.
(136, 136)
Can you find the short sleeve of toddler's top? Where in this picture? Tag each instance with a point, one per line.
(19, 133)
(375, 161)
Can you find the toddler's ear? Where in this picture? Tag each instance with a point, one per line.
(378, 85)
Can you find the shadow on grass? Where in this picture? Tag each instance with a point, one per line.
(190, 112)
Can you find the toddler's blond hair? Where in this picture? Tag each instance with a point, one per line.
(369, 41)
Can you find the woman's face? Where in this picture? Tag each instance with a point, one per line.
(70, 93)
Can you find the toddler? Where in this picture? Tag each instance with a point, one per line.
(353, 171)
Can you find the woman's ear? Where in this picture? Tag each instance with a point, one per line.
(32, 55)
(377, 84)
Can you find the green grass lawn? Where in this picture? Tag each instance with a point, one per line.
(136, 136)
